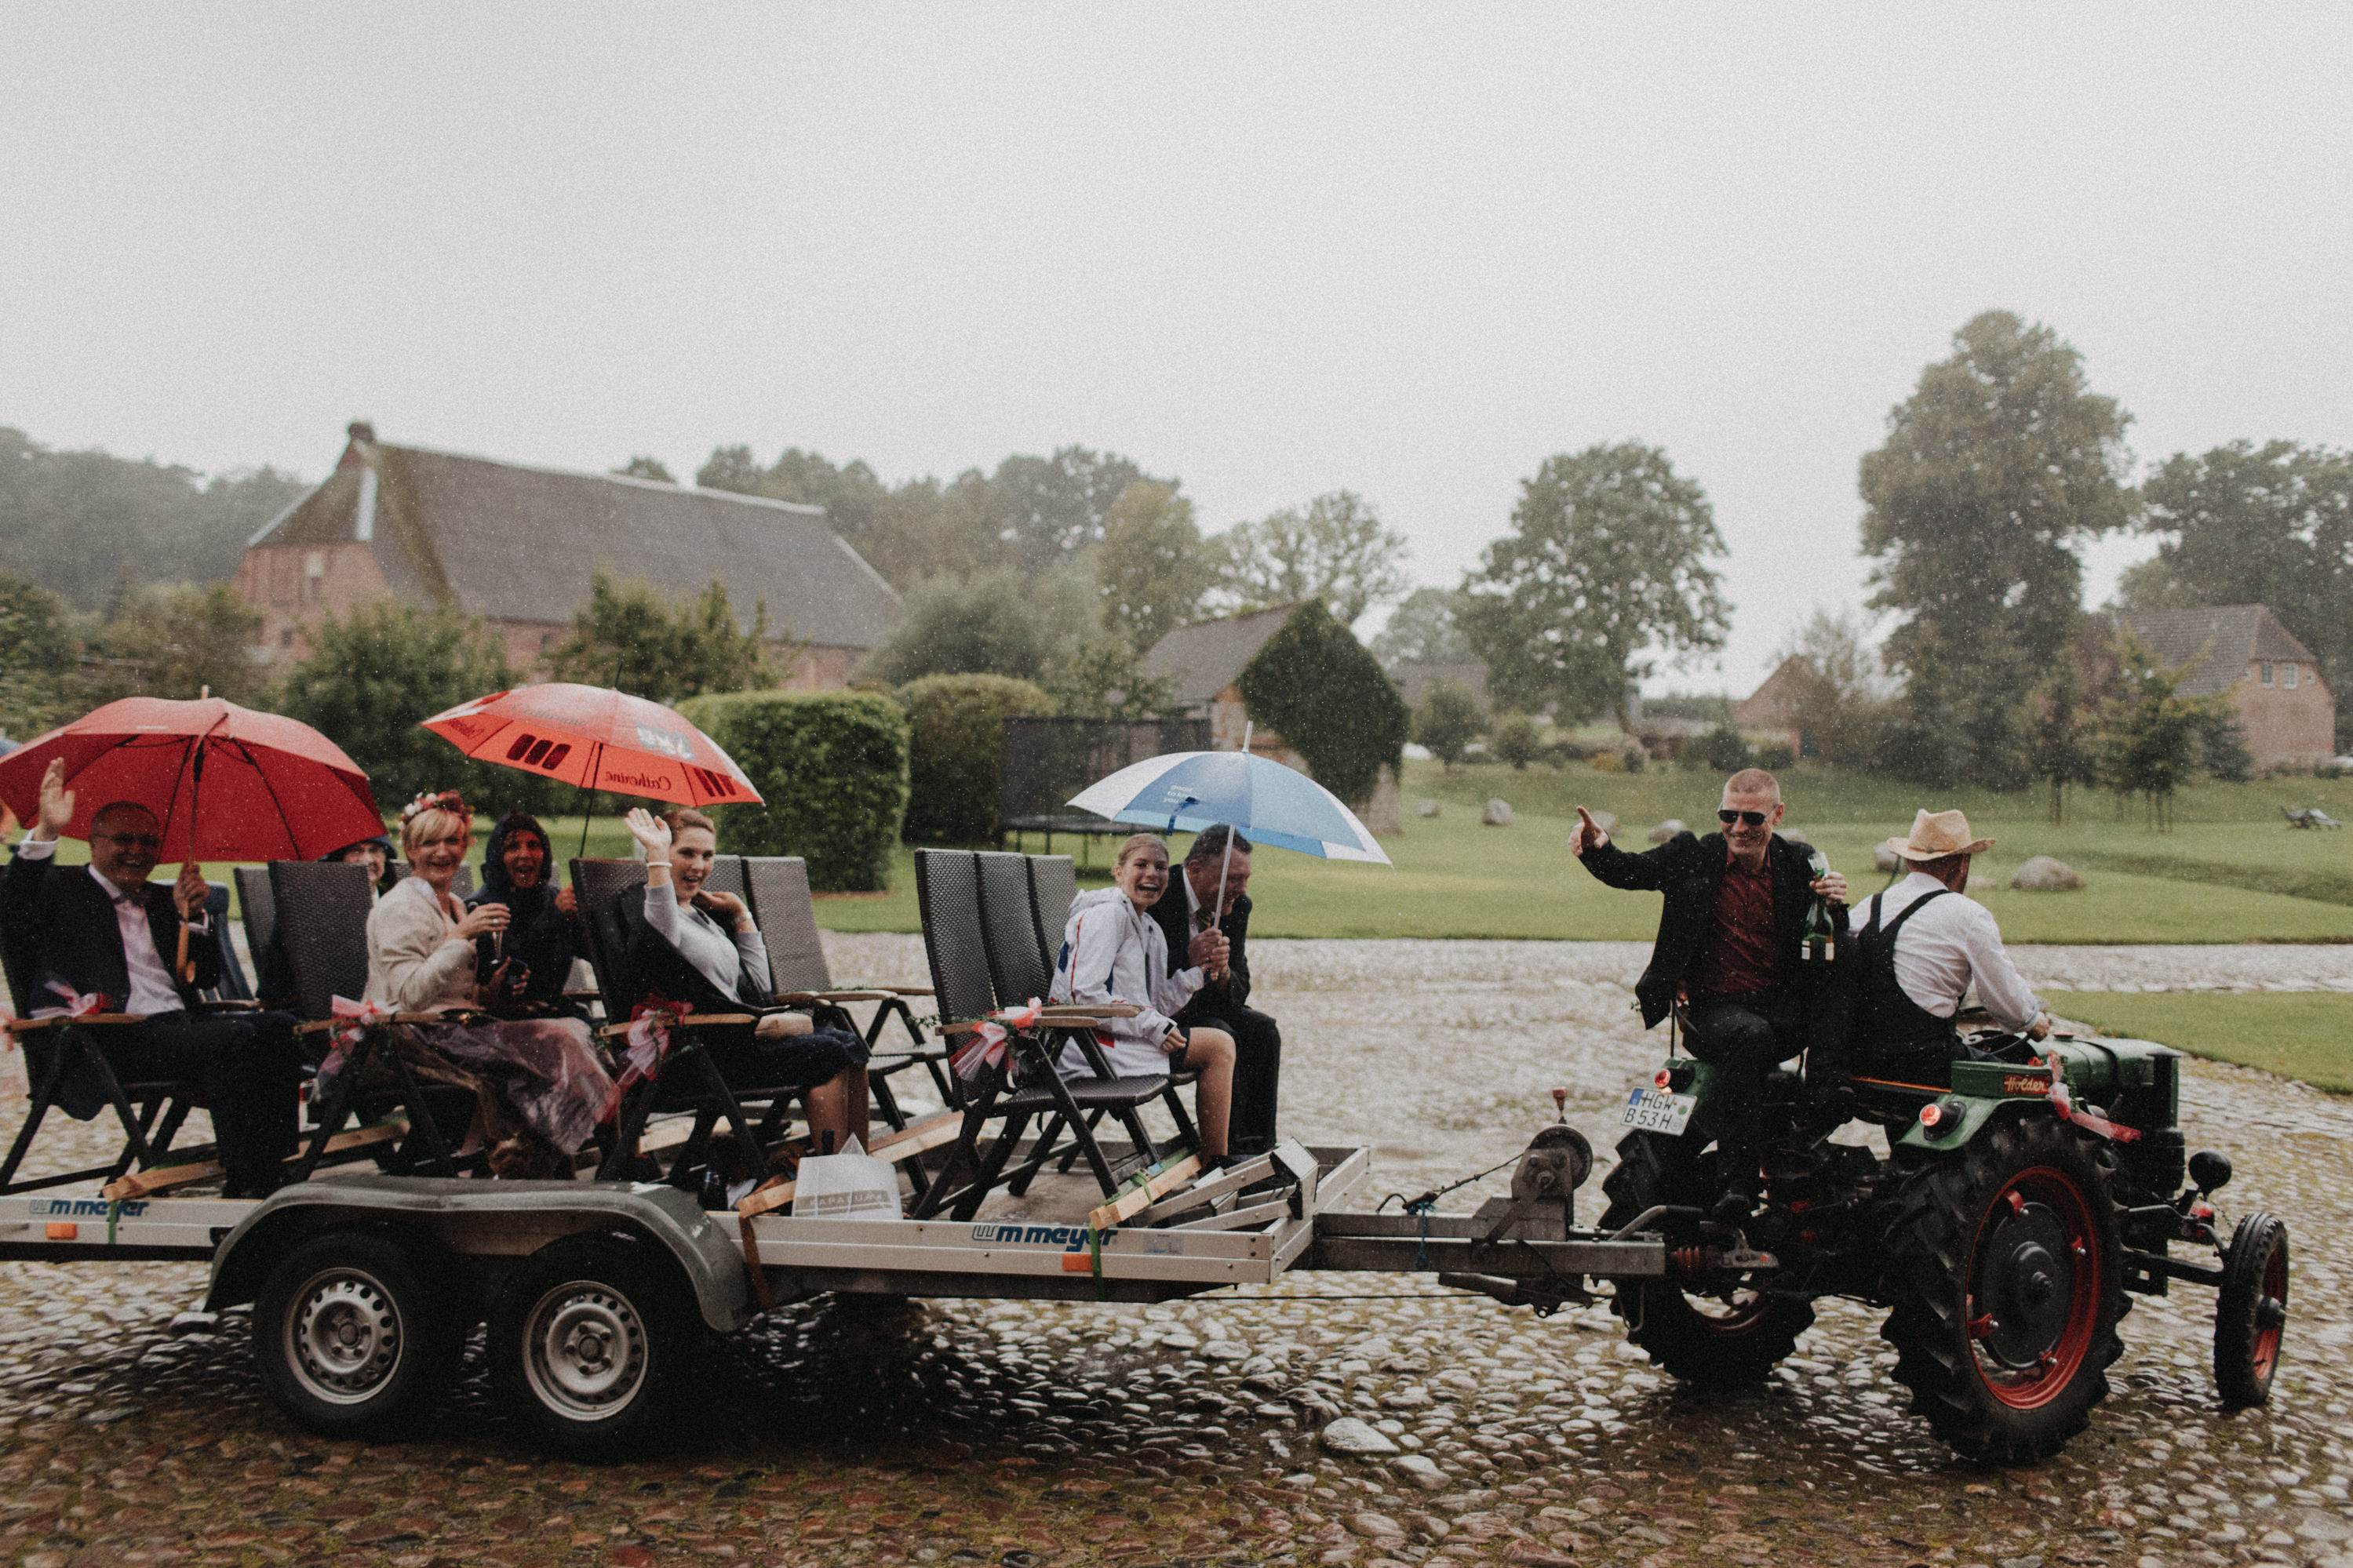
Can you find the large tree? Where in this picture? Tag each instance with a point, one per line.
(1995, 471)
(1423, 629)
(1149, 566)
(640, 638)
(1334, 549)
(1049, 508)
(177, 641)
(2258, 525)
(1606, 558)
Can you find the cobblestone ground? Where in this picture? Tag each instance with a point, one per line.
(133, 1430)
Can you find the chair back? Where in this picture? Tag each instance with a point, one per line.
(947, 890)
(596, 886)
(461, 882)
(787, 916)
(1008, 928)
(1053, 888)
(233, 985)
(323, 913)
(272, 981)
(727, 877)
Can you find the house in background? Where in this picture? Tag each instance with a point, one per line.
(1771, 711)
(1203, 661)
(518, 546)
(2288, 712)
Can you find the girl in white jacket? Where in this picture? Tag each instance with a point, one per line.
(1114, 951)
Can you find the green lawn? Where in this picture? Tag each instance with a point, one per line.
(2305, 1034)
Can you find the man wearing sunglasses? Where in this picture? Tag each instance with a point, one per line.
(105, 931)
(1727, 953)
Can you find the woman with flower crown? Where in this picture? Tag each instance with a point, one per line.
(539, 1082)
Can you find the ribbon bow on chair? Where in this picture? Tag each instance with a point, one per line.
(352, 1022)
(77, 1005)
(648, 1037)
(986, 1048)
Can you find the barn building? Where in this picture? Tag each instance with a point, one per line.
(2287, 709)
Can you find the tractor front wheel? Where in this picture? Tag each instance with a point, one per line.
(2252, 1312)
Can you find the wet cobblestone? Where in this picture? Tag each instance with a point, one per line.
(133, 1429)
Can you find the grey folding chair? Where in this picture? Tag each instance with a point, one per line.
(787, 916)
(273, 982)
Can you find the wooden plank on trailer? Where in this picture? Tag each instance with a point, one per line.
(164, 1178)
(1230, 1180)
(1138, 1199)
(893, 1147)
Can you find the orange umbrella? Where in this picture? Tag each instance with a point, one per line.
(593, 737)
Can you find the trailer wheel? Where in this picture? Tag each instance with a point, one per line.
(350, 1335)
(584, 1339)
(1722, 1339)
(2252, 1312)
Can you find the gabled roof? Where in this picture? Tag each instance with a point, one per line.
(2223, 638)
(1208, 656)
(1770, 704)
(512, 542)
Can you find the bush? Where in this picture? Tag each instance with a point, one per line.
(1774, 757)
(1635, 759)
(1721, 750)
(1608, 763)
(1314, 684)
(1515, 740)
(832, 768)
(1449, 719)
(1565, 750)
(956, 752)
(983, 624)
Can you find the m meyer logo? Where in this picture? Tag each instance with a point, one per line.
(1069, 1237)
(82, 1208)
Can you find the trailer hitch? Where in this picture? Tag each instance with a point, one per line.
(1547, 1297)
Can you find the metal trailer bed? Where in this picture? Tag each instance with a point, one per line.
(367, 1285)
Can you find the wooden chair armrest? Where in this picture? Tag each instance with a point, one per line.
(803, 998)
(906, 989)
(230, 1004)
(691, 1021)
(28, 1025)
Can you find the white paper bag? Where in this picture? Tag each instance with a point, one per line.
(852, 1184)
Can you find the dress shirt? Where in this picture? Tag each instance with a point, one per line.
(1943, 947)
(152, 990)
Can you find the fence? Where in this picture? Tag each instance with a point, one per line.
(1048, 761)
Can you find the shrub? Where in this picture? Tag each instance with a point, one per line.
(1775, 756)
(1635, 759)
(1608, 763)
(1721, 750)
(1314, 684)
(956, 752)
(832, 768)
(1514, 739)
(1565, 750)
(1449, 719)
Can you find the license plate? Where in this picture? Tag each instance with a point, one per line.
(1659, 1111)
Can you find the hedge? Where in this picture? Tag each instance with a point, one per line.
(832, 768)
(1314, 684)
(956, 756)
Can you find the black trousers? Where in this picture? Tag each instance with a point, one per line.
(246, 1065)
(1258, 1067)
(1741, 1037)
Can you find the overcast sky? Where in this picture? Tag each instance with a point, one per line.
(1275, 250)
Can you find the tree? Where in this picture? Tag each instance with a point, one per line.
(1843, 701)
(2064, 751)
(1423, 630)
(1334, 549)
(639, 637)
(955, 754)
(643, 468)
(2148, 739)
(372, 678)
(1103, 677)
(1448, 719)
(38, 689)
(178, 642)
(1606, 556)
(1049, 508)
(2257, 525)
(1514, 739)
(954, 624)
(1149, 564)
(1995, 470)
(1314, 684)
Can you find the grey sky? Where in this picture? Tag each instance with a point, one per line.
(1276, 250)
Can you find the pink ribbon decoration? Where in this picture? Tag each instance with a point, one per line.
(77, 1005)
(986, 1048)
(355, 1019)
(2065, 1104)
(648, 1043)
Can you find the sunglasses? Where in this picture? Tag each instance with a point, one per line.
(133, 840)
(1747, 818)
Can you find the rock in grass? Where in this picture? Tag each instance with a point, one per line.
(1497, 814)
(1884, 859)
(2044, 875)
(1350, 1436)
(1668, 829)
(1424, 808)
(1795, 836)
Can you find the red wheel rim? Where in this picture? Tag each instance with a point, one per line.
(2267, 1335)
(2035, 1237)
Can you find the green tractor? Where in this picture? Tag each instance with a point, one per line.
(2013, 1214)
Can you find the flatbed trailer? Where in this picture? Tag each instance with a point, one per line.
(366, 1286)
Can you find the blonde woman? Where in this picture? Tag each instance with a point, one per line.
(1114, 951)
(538, 1082)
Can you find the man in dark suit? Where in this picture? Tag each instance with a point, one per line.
(1183, 913)
(105, 931)
(1727, 951)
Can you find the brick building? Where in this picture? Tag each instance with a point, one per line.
(2287, 709)
(518, 546)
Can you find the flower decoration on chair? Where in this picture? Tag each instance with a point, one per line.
(352, 1022)
(77, 1004)
(650, 1022)
(986, 1048)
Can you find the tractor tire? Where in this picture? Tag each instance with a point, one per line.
(2251, 1313)
(2007, 1272)
(1720, 1338)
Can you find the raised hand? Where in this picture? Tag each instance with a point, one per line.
(651, 832)
(56, 806)
(189, 892)
(726, 907)
(1589, 834)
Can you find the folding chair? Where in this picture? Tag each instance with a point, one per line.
(1053, 888)
(273, 983)
(597, 885)
(947, 889)
(321, 909)
(233, 987)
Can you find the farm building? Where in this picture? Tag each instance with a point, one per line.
(2287, 709)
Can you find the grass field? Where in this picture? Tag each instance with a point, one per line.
(2305, 1034)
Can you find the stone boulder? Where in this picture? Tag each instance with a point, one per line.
(2044, 875)
(1424, 808)
(1497, 814)
(1350, 1436)
(1883, 857)
(1796, 836)
(1668, 829)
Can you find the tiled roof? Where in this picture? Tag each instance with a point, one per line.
(512, 542)
(1206, 656)
(2222, 638)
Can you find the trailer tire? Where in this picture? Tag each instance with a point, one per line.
(352, 1335)
(1707, 1341)
(586, 1338)
(2251, 1313)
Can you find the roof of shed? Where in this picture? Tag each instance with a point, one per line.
(1209, 655)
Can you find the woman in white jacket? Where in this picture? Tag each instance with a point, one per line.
(1114, 951)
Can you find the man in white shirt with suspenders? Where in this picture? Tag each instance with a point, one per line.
(1920, 944)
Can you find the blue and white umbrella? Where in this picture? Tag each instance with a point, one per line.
(1188, 790)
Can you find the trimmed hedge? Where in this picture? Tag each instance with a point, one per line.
(1314, 684)
(956, 756)
(832, 768)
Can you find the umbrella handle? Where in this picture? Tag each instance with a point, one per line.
(186, 965)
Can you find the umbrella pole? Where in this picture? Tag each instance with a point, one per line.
(1226, 864)
(185, 964)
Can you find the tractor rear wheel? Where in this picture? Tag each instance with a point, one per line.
(2007, 1272)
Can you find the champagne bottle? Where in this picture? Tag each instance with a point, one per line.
(1820, 943)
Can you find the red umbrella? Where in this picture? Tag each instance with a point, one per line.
(273, 787)
(593, 737)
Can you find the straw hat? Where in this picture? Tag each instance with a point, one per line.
(1937, 834)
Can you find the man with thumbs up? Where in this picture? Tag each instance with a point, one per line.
(1727, 944)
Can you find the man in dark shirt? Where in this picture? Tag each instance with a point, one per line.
(1728, 934)
(1183, 913)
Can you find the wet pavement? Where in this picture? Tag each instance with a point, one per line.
(133, 1429)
